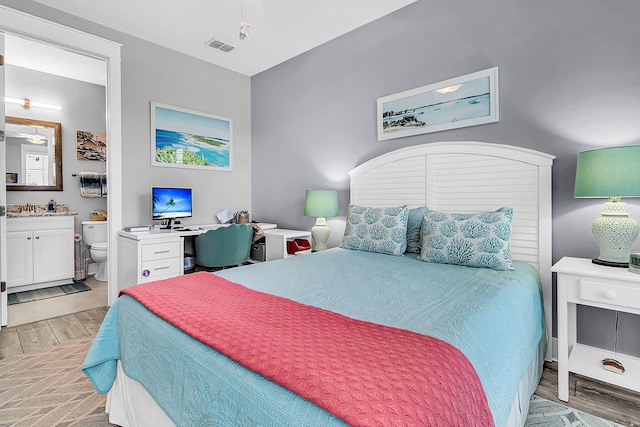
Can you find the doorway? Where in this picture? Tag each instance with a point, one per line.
(26, 26)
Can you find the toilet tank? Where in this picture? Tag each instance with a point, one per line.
(94, 232)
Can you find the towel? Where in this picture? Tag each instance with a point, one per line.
(90, 184)
(103, 184)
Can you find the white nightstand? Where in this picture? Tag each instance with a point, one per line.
(582, 282)
(276, 241)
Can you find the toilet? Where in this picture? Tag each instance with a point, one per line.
(95, 235)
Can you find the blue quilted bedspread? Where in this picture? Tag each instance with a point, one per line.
(494, 318)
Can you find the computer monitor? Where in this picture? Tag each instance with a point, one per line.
(170, 203)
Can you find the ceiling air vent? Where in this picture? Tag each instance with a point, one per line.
(217, 44)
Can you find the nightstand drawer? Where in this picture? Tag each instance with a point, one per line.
(609, 294)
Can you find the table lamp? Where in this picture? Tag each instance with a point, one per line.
(321, 204)
(613, 173)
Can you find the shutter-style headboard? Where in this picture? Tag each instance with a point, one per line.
(469, 177)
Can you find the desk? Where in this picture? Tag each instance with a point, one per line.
(157, 254)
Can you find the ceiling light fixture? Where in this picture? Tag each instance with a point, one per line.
(27, 103)
(244, 25)
(37, 138)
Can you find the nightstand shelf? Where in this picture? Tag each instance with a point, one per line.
(276, 241)
(585, 360)
(582, 282)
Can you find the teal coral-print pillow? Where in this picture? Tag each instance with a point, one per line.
(414, 223)
(473, 240)
(381, 230)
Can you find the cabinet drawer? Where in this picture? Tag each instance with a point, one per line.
(160, 269)
(163, 250)
(610, 294)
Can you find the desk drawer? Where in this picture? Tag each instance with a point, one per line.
(160, 269)
(163, 250)
(609, 293)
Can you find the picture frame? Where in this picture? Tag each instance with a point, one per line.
(91, 145)
(11, 177)
(469, 100)
(185, 138)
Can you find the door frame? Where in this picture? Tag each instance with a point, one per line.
(41, 30)
(3, 197)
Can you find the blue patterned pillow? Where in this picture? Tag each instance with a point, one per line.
(474, 240)
(414, 239)
(381, 230)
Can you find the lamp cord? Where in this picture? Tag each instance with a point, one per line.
(615, 342)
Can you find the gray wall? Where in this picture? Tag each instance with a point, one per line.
(83, 108)
(153, 73)
(569, 82)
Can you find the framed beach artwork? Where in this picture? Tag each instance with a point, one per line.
(468, 100)
(190, 139)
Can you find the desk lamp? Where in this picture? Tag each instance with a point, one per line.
(613, 173)
(320, 203)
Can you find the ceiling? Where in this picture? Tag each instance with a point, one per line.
(279, 29)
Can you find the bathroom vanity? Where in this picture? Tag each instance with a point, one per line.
(39, 251)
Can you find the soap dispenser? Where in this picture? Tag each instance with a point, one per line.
(52, 205)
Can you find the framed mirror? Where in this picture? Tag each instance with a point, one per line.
(34, 155)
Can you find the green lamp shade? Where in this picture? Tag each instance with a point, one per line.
(608, 172)
(322, 203)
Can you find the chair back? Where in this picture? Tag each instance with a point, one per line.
(224, 246)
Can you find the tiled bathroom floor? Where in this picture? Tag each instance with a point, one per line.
(28, 312)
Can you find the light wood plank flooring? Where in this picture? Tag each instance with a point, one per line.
(35, 336)
(593, 397)
(603, 400)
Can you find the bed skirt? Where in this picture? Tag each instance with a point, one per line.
(129, 404)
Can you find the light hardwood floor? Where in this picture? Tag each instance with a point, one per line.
(38, 324)
(593, 397)
(36, 336)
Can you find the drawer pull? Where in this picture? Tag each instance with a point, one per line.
(162, 268)
(161, 252)
(610, 295)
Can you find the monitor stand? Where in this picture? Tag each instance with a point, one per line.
(169, 225)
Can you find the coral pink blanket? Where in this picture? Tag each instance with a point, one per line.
(364, 373)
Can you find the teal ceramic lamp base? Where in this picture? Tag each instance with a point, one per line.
(615, 231)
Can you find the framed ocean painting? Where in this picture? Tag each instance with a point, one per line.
(186, 138)
(468, 100)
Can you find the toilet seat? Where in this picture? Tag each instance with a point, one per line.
(101, 246)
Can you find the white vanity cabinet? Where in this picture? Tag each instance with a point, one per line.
(39, 252)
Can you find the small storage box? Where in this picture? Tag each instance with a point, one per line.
(189, 262)
(298, 245)
(258, 252)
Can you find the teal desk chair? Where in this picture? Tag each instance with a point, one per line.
(224, 246)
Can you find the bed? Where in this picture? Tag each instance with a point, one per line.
(156, 375)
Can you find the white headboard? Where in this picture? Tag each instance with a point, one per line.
(469, 177)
